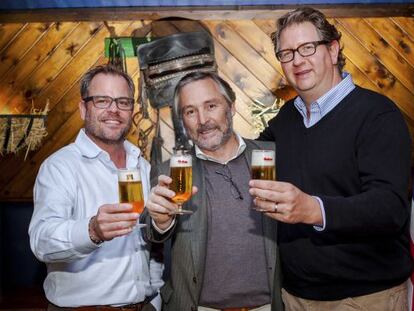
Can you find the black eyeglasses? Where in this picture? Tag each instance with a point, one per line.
(103, 102)
(235, 191)
(306, 49)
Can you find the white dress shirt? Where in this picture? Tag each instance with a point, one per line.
(70, 187)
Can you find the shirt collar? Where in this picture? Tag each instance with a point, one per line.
(89, 149)
(323, 103)
(344, 87)
(242, 146)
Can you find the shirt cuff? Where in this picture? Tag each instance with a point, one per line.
(160, 231)
(156, 302)
(321, 228)
(80, 237)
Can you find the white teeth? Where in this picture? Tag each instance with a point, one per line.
(112, 122)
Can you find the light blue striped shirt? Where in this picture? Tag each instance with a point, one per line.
(320, 108)
(324, 104)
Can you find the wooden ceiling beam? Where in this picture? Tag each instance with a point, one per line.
(199, 13)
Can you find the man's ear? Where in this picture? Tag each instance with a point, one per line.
(82, 109)
(333, 48)
(233, 109)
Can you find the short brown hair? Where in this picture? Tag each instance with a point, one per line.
(325, 30)
(105, 69)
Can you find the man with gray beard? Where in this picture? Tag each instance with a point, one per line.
(224, 255)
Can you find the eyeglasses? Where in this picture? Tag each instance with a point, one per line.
(305, 50)
(103, 102)
(235, 191)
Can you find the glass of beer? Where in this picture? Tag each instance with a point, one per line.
(263, 164)
(181, 173)
(130, 189)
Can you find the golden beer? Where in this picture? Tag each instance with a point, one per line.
(263, 165)
(182, 183)
(131, 192)
(130, 189)
(264, 172)
(181, 173)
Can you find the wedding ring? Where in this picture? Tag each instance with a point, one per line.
(275, 208)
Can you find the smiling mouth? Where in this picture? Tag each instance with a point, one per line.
(112, 122)
(302, 73)
(207, 131)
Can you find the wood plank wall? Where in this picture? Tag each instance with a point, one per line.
(44, 61)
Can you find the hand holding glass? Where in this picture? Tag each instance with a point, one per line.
(130, 189)
(181, 174)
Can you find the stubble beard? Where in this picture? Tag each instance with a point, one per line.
(93, 129)
(226, 135)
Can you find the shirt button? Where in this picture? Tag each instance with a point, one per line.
(195, 280)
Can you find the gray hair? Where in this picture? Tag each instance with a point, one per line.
(325, 30)
(224, 88)
(105, 69)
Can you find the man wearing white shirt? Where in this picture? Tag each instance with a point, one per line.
(95, 257)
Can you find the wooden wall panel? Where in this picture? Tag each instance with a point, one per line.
(42, 62)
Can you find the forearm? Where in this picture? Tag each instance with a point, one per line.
(56, 240)
(156, 236)
(374, 212)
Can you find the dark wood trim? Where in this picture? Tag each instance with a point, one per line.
(199, 13)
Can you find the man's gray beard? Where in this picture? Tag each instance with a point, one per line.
(226, 135)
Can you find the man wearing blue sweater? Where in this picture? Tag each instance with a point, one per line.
(343, 163)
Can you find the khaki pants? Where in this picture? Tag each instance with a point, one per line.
(393, 299)
(262, 308)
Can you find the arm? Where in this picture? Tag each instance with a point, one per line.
(55, 234)
(383, 154)
(158, 214)
(380, 207)
(151, 233)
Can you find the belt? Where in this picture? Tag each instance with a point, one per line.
(238, 309)
(131, 307)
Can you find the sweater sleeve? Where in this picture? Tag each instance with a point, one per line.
(383, 157)
(151, 234)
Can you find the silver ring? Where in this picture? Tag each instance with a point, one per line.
(275, 208)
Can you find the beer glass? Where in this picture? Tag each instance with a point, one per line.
(130, 189)
(263, 164)
(182, 179)
(263, 167)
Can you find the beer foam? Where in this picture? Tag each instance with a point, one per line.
(181, 161)
(125, 175)
(263, 158)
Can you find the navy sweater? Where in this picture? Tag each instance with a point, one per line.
(357, 160)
